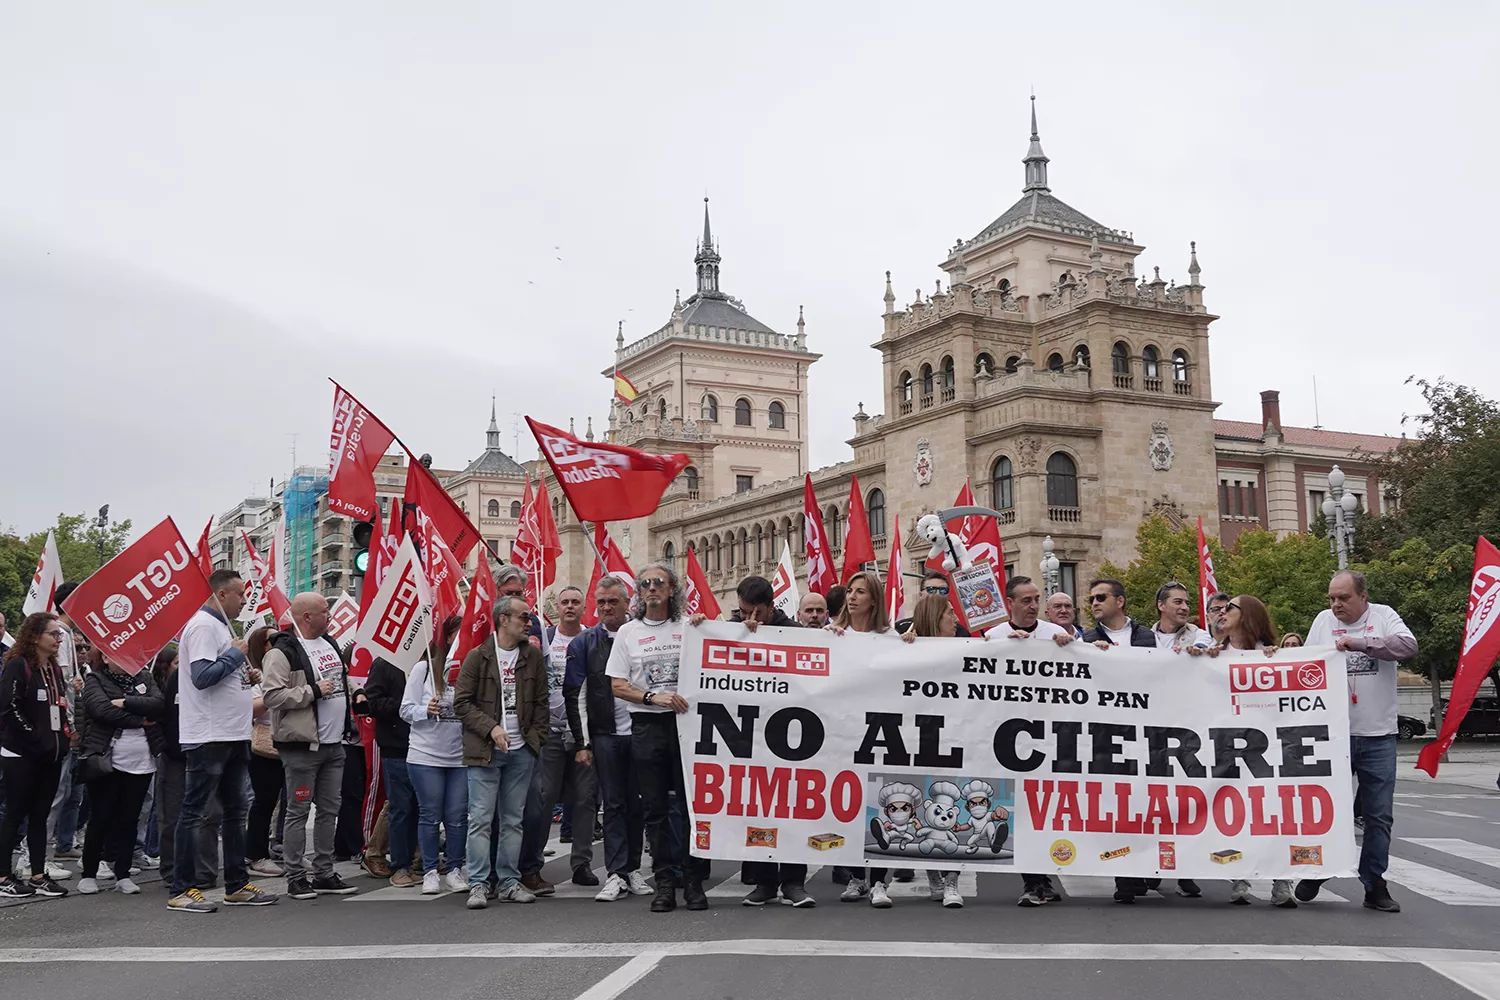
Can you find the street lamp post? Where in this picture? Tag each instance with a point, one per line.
(1339, 509)
(1051, 568)
(102, 523)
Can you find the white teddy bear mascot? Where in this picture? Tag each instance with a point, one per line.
(940, 816)
(944, 543)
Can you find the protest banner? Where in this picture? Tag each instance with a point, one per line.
(979, 596)
(803, 746)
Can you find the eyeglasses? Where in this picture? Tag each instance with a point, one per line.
(56, 633)
(935, 590)
(1231, 607)
(1096, 598)
(655, 581)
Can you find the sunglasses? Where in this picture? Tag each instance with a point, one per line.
(935, 590)
(655, 581)
(1096, 598)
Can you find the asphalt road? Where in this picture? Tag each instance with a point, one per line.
(395, 944)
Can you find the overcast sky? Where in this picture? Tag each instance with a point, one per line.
(208, 208)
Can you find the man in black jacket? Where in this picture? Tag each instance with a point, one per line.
(384, 689)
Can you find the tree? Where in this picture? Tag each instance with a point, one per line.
(1163, 554)
(78, 537)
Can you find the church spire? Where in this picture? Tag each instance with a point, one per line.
(492, 436)
(707, 260)
(1036, 160)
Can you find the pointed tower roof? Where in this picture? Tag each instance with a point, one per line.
(493, 461)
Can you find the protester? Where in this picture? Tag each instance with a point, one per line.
(1217, 610)
(116, 756)
(68, 811)
(349, 829)
(34, 739)
(1060, 612)
(1025, 600)
(812, 612)
(434, 764)
(1376, 640)
(1112, 627)
(835, 599)
(643, 671)
(307, 691)
(601, 728)
(385, 693)
(1174, 627)
(1291, 640)
(267, 779)
(501, 698)
(171, 781)
(936, 582)
(559, 773)
(6, 639)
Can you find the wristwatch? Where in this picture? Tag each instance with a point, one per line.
(646, 698)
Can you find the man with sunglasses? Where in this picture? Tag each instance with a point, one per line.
(643, 671)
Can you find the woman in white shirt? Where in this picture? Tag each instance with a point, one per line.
(435, 762)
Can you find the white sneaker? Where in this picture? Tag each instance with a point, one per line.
(952, 898)
(638, 885)
(934, 886)
(88, 886)
(458, 879)
(267, 867)
(58, 873)
(879, 898)
(854, 891)
(432, 883)
(127, 886)
(518, 893)
(614, 888)
(1239, 892)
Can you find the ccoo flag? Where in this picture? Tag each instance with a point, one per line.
(398, 623)
(356, 445)
(606, 482)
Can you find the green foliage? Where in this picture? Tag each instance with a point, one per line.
(1430, 590)
(78, 538)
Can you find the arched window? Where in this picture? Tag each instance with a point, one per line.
(1081, 356)
(645, 409)
(1003, 287)
(831, 525)
(776, 415)
(1119, 358)
(984, 364)
(947, 373)
(1055, 363)
(718, 553)
(709, 408)
(1179, 366)
(742, 412)
(744, 547)
(557, 510)
(1002, 485)
(773, 550)
(927, 380)
(1149, 362)
(690, 480)
(906, 387)
(875, 513)
(1062, 481)
(492, 509)
(1012, 364)
(669, 555)
(661, 408)
(515, 508)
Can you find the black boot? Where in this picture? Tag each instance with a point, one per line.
(666, 897)
(1378, 897)
(694, 896)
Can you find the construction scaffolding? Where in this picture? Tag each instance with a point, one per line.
(308, 485)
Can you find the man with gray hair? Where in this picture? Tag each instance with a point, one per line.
(1375, 640)
(643, 671)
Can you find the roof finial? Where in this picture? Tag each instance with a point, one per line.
(708, 236)
(1193, 269)
(620, 335)
(890, 296)
(1036, 160)
(589, 434)
(492, 436)
(707, 260)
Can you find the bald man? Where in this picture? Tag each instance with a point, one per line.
(813, 611)
(306, 689)
(1060, 612)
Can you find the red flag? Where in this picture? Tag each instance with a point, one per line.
(479, 612)
(373, 568)
(138, 601)
(614, 563)
(205, 561)
(820, 577)
(606, 482)
(427, 495)
(357, 443)
(1207, 585)
(981, 536)
(895, 590)
(859, 548)
(551, 541)
(526, 551)
(272, 597)
(1481, 650)
(700, 596)
(343, 615)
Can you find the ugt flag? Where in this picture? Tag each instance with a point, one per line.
(357, 443)
(1481, 649)
(606, 482)
(398, 623)
(141, 598)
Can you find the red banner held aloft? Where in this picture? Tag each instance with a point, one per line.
(606, 482)
(614, 561)
(479, 612)
(205, 560)
(357, 443)
(981, 536)
(1480, 651)
(141, 598)
(1207, 584)
(699, 595)
(859, 547)
(427, 495)
(820, 578)
(895, 587)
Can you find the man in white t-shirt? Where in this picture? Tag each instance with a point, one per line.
(214, 702)
(306, 690)
(643, 671)
(1375, 640)
(1174, 626)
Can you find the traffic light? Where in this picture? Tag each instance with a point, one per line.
(361, 533)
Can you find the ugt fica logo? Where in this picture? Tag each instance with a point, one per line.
(1290, 687)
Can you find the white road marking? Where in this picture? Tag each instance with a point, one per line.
(1445, 887)
(968, 886)
(733, 888)
(1445, 812)
(1087, 886)
(1442, 795)
(1478, 977)
(623, 978)
(1465, 849)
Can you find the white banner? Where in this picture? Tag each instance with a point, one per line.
(45, 581)
(1015, 755)
(398, 623)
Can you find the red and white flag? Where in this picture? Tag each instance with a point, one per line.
(981, 536)
(272, 598)
(443, 570)
(859, 547)
(1480, 651)
(895, 589)
(606, 482)
(526, 551)
(205, 559)
(820, 576)
(138, 601)
(784, 593)
(357, 443)
(45, 581)
(398, 624)
(614, 562)
(479, 613)
(1207, 585)
(700, 596)
(426, 495)
(343, 615)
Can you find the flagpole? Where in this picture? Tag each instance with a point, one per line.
(589, 537)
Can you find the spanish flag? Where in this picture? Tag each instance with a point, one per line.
(625, 390)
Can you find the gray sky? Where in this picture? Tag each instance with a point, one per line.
(208, 208)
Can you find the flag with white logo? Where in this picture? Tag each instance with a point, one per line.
(398, 623)
(343, 616)
(45, 581)
(784, 584)
(1207, 585)
(699, 595)
(895, 590)
(820, 574)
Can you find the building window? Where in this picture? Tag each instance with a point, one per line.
(743, 484)
(875, 513)
(1002, 485)
(690, 480)
(1067, 575)
(669, 555)
(1062, 481)
(1179, 366)
(1012, 364)
(742, 412)
(831, 526)
(948, 380)
(744, 548)
(515, 508)
(760, 543)
(905, 384)
(492, 509)
(926, 380)
(984, 365)
(1119, 358)
(776, 416)
(1150, 366)
(1314, 506)
(1081, 356)
(661, 408)
(1055, 363)
(709, 408)
(719, 554)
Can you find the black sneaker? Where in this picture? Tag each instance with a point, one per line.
(1378, 897)
(666, 899)
(332, 885)
(1124, 896)
(565, 838)
(1307, 889)
(905, 875)
(16, 888)
(583, 875)
(796, 895)
(300, 887)
(694, 896)
(1187, 887)
(760, 895)
(1048, 892)
(46, 887)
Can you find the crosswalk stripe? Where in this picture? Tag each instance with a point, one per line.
(1445, 887)
(1465, 849)
(1455, 815)
(968, 886)
(1087, 886)
(733, 888)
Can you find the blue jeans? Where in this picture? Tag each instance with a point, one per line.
(145, 830)
(556, 774)
(624, 822)
(222, 769)
(497, 794)
(66, 804)
(401, 818)
(442, 795)
(1374, 761)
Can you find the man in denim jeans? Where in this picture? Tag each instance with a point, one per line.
(1376, 640)
(501, 699)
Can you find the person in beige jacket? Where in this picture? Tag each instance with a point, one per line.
(306, 690)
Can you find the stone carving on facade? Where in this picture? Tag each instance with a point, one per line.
(1027, 449)
(1168, 509)
(1160, 447)
(922, 467)
(624, 541)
